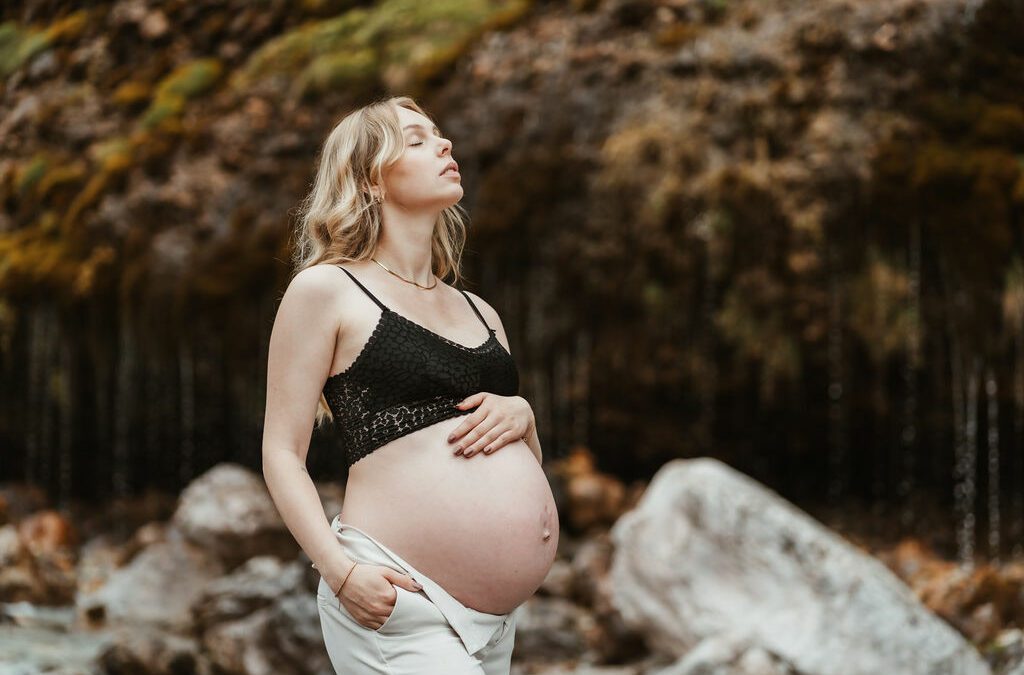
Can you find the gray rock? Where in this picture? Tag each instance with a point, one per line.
(262, 618)
(147, 650)
(1008, 652)
(572, 668)
(549, 629)
(254, 585)
(158, 586)
(590, 565)
(728, 655)
(708, 553)
(559, 579)
(228, 511)
(31, 649)
(19, 580)
(284, 637)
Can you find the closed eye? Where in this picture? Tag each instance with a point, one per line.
(421, 142)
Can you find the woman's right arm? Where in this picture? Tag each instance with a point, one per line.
(301, 351)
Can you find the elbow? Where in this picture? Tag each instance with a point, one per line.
(267, 460)
(274, 459)
(271, 461)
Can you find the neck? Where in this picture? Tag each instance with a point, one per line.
(409, 255)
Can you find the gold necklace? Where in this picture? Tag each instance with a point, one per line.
(426, 288)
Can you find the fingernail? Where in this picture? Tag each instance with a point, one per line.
(459, 451)
(451, 437)
(419, 587)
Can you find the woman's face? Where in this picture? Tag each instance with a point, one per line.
(418, 180)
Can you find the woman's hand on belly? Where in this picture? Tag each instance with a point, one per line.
(497, 421)
(486, 531)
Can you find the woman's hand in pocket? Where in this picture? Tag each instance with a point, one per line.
(368, 594)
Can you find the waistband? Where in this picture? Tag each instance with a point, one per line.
(475, 628)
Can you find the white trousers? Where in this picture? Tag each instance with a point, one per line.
(427, 632)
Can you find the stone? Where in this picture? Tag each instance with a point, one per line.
(157, 587)
(254, 585)
(551, 628)
(710, 554)
(228, 511)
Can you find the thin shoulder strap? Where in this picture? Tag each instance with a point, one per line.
(475, 309)
(365, 290)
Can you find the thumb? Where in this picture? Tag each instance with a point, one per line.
(403, 580)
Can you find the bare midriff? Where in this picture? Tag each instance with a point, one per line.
(484, 528)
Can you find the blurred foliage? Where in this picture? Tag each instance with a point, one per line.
(339, 47)
(881, 313)
(185, 82)
(710, 192)
(404, 41)
(17, 45)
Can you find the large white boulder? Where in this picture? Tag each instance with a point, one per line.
(710, 554)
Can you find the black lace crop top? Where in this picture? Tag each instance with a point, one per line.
(407, 377)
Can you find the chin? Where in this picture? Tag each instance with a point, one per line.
(456, 200)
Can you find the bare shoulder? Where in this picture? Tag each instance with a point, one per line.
(316, 284)
(489, 312)
(321, 273)
(492, 319)
(319, 291)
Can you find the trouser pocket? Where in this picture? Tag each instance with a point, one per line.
(324, 596)
(390, 621)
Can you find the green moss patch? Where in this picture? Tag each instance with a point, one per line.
(403, 41)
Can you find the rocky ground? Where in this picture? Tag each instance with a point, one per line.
(649, 578)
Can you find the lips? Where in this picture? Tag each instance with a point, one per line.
(451, 165)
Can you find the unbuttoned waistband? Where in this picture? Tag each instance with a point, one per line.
(474, 627)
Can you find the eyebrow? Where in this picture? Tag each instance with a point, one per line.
(408, 126)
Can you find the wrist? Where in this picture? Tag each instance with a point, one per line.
(343, 581)
(334, 567)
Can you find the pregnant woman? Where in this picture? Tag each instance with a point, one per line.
(448, 522)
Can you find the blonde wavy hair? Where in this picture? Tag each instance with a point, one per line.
(339, 221)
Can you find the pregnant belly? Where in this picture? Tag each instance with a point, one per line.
(475, 526)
